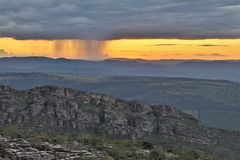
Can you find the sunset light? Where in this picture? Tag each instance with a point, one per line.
(124, 48)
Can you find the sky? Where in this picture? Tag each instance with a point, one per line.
(99, 29)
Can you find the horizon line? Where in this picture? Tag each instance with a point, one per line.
(119, 58)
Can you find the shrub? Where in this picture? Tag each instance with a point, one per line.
(146, 145)
(96, 142)
(11, 131)
(207, 157)
(39, 137)
(60, 139)
(157, 155)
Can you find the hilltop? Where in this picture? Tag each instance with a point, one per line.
(51, 109)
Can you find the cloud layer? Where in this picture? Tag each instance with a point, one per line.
(116, 19)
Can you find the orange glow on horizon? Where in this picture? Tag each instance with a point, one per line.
(176, 49)
(125, 48)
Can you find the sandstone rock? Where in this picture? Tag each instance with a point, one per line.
(20, 149)
(53, 109)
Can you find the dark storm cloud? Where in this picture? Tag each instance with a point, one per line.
(116, 19)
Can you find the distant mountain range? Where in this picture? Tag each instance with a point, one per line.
(226, 69)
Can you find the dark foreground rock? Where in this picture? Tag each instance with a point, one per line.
(53, 109)
(20, 149)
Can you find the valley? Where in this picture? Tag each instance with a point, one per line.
(214, 102)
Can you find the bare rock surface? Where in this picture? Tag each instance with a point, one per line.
(20, 149)
(50, 108)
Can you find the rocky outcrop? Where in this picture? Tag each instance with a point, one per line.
(20, 149)
(52, 109)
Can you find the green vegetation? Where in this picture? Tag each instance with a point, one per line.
(11, 131)
(116, 148)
